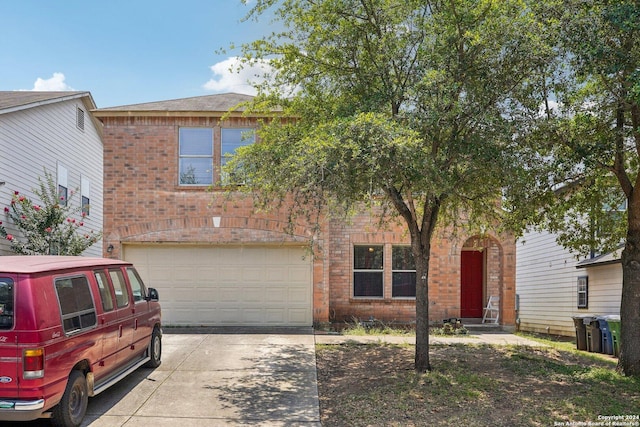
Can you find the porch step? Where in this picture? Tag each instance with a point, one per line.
(476, 325)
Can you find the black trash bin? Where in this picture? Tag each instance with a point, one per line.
(605, 332)
(594, 336)
(581, 331)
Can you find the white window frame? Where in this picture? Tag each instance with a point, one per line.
(181, 156)
(401, 271)
(85, 193)
(63, 185)
(583, 292)
(247, 137)
(367, 270)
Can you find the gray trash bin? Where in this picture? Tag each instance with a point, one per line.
(581, 331)
(594, 335)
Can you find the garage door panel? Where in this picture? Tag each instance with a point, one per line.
(276, 294)
(252, 274)
(297, 315)
(229, 294)
(222, 285)
(298, 295)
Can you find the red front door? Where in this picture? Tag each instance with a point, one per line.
(471, 278)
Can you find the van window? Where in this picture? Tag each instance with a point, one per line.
(76, 304)
(120, 286)
(136, 285)
(105, 293)
(6, 303)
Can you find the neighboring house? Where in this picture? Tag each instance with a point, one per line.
(553, 286)
(52, 131)
(215, 261)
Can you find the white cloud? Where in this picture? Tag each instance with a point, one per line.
(227, 77)
(55, 83)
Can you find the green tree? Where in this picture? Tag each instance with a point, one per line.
(408, 104)
(49, 228)
(582, 168)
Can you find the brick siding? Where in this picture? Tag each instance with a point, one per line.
(143, 203)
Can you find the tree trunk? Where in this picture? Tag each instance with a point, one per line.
(629, 362)
(422, 363)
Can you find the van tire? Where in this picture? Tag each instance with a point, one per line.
(155, 349)
(73, 406)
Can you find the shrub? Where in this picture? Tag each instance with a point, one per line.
(49, 228)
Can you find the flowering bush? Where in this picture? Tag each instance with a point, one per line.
(48, 228)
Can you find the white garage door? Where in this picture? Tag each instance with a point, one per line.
(227, 285)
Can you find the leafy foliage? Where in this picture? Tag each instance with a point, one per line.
(583, 178)
(49, 228)
(409, 106)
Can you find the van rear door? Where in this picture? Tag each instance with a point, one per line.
(9, 354)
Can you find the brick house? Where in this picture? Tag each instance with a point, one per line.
(215, 261)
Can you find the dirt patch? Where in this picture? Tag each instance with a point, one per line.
(470, 385)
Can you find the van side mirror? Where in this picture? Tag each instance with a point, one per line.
(152, 294)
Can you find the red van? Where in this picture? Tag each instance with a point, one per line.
(70, 327)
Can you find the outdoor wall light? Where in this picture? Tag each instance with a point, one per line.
(109, 249)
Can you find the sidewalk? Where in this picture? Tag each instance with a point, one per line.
(499, 338)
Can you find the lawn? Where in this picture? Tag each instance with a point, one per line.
(473, 385)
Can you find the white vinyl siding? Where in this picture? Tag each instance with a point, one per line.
(605, 288)
(38, 138)
(546, 283)
(227, 285)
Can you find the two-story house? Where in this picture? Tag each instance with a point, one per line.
(216, 261)
(53, 132)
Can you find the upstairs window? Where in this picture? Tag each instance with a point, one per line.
(85, 190)
(63, 189)
(231, 140)
(196, 156)
(368, 271)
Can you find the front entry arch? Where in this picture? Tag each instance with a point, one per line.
(471, 283)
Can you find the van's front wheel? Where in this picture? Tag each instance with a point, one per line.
(155, 349)
(73, 406)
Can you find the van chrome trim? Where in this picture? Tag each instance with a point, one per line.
(22, 405)
(113, 380)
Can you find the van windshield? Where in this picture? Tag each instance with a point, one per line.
(6, 303)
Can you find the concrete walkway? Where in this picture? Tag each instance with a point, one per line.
(499, 338)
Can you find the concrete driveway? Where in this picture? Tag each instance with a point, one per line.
(218, 379)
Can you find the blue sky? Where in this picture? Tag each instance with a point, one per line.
(125, 51)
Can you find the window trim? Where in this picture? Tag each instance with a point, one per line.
(85, 193)
(63, 185)
(393, 270)
(583, 282)
(225, 178)
(211, 157)
(366, 270)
